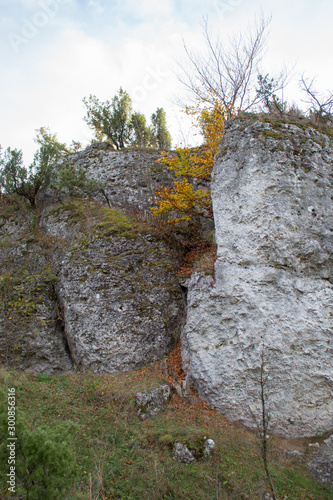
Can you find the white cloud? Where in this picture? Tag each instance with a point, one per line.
(96, 6)
(76, 66)
(149, 8)
(134, 44)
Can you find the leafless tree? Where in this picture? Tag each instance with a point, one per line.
(263, 424)
(228, 73)
(320, 105)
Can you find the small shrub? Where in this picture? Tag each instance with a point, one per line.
(44, 461)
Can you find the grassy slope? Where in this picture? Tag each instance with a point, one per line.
(120, 456)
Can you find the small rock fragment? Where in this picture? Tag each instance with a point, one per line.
(149, 403)
(181, 453)
(295, 454)
(209, 446)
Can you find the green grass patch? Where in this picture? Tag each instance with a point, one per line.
(13, 206)
(277, 122)
(119, 456)
(272, 134)
(97, 220)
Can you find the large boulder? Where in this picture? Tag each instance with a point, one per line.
(264, 326)
(130, 176)
(118, 291)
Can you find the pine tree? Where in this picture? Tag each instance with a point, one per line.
(142, 134)
(110, 119)
(161, 136)
(27, 182)
(44, 460)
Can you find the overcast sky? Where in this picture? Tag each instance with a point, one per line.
(55, 52)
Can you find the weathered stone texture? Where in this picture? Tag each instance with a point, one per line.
(321, 463)
(130, 176)
(31, 336)
(273, 292)
(115, 288)
(181, 453)
(150, 403)
(122, 306)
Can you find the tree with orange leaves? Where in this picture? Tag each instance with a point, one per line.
(186, 199)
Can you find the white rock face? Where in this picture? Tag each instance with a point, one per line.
(273, 292)
(130, 176)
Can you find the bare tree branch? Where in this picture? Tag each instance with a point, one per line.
(226, 73)
(321, 105)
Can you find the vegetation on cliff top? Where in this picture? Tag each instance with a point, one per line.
(227, 83)
(114, 121)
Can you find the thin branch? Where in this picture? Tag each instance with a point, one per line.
(321, 105)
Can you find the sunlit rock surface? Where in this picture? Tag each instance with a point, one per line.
(270, 307)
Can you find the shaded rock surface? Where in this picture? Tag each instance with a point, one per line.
(149, 403)
(108, 297)
(273, 292)
(31, 335)
(121, 303)
(321, 464)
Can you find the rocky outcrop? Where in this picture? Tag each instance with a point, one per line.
(130, 177)
(121, 303)
(31, 336)
(87, 285)
(269, 309)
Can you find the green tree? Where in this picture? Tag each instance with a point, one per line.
(110, 119)
(27, 181)
(50, 143)
(266, 88)
(13, 174)
(161, 136)
(45, 464)
(142, 134)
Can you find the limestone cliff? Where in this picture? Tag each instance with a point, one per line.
(273, 293)
(90, 286)
(130, 176)
(84, 285)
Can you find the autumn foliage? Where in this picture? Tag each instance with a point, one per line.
(187, 199)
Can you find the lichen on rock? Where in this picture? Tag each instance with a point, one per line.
(150, 403)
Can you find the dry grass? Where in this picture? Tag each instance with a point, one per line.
(202, 258)
(121, 457)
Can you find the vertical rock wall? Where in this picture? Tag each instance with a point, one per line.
(31, 336)
(87, 285)
(130, 176)
(271, 304)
